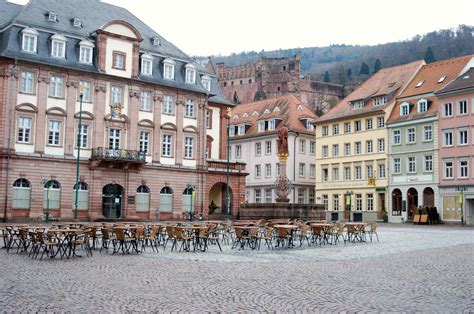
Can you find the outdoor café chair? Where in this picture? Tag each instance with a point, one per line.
(304, 234)
(284, 235)
(106, 239)
(46, 244)
(83, 240)
(317, 234)
(184, 239)
(152, 239)
(213, 237)
(372, 231)
(268, 237)
(170, 236)
(121, 241)
(242, 238)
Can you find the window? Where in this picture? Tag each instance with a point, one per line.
(448, 169)
(85, 52)
(325, 130)
(21, 194)
(312, 147)
(268, 147)
(301, 169)
(168, 69)
(448, 110)
(52, 17)
(325, 201)
(368, 124)
(411, 135)
(258, 149)
(335, 129)
(358, 172)
(422, 105)
(52, 195)
(335, 174)
(302, 146)
(347, 173)
(411, 164)
(405, 109)
(258, 171)
(357, 148)
(462, 107)
(271, 124)
(358, 126)
(397, 165)
(277, 167)
(190, 74)
(379, 101)
(206, 82)
(114, 139)
(147, 64)
(268, 170)
(380, 122)
(83, 139)
(76, 22)
(427, 133)
(86, 91)
(335, 202)
(369, 147)
(258, 195)
(428, 163)
(116, 95)
(420, 83)
(347, 127)
(56, 86)
(325, 174)
(144, 144)
(370, 171)
(29, 40)
(396, 137)
(209, 119)
(232, 131)
(301, 195)
(238, 151)
(268, 195)
(168, 105)
(462, 137)
(441, 79)
(358, 198)
(241, 129)
(311, 196)
(54, 132)
(347, 149)
(370, 202)
(189, 108)
(145, 101)
(381, 170)
(310, 125)
(261, 126)
(166, 149)
(463, 169)
(381, 145)
(335, 150)
(448, 138)
(312, 171)
(118, 60)
(325, 151)
(189, 147)
(142, 199)
(357, 105)
(27, 82)
(24, 130)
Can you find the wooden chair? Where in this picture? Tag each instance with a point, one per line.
(304, 234)
(242, 237)
(268, 237)
(124, 242)
(372, 231)
(283, 235)
(83, 240)
(317, 234)
(213, 236)
(184, 239)
(170, 236)
(151, 238)
(106, 239)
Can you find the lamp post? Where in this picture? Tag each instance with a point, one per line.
(48, 188)
(79, 129)
(227, 192)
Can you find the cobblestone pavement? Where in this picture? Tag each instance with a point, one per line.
(412, 269)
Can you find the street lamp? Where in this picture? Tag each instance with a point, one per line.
(227, 192)
(79, 129)
(48, 188)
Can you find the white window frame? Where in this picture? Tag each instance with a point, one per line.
(271, 124)
(405, 109)
(380, 122)
(84, 138)
(302, 170)
(369, 147)
(357, 148)
(411, 136)
(167, 145)
(325, 130)
(335, 202)
(335, 150)
(463, 170)
(268, 147)
(382, 171)
(238, 151)
(347, 127)
(268, 170)
(357, 126)
(370, 201)
(86, 90)
(115, 138)
(369, 124)
(397, 137)
(427, 133)
(347, 173)
(56, 87)
(144, 142)
(325, 151)
(312, 171)
(422, 106)
(58, 46)
(168, 105)
(397, 166)
(206, 82)
(258, 171)
(145, 100)
(168, 69)
(463, 140)
(190, 74)
(369, 170)
(302, 146)
(25, 125)
(325, 174)
(312, 148)
(448, 171)
(258, 195)
(268, 195)
(27, 82)
(86, 52)
(301, 195)
(258, 149)
(335, 174)
(189, 147)
(358, 202)
(189, 110)
(447, 143)
(116, 94)
(448, 110)
(146, 65)
(347, 149)
(29, 40)
(335, 129)
(411, 164)
(358, 172)
(462, 104)
(428, 163)
(381, 145)
(54, 132)
(261, 126)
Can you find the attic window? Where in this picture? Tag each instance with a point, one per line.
(357, 105)
(441, 79)
(156, 41)
(378, 101)
(52, 17)
(422, 105)
(466, 77)
(391, 84)
(420, 83)
(76, 22)
(404, 109)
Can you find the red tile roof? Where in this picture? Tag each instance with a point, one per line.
(388, 81)
(288, 108)
(414, 115)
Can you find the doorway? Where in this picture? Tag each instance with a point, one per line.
(412, 197)
(112, 201)
(428, 197)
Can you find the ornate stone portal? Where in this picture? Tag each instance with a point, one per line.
(283, 185)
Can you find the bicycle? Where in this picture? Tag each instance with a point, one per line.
(42, 218)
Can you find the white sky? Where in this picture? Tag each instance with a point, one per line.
(211, 27)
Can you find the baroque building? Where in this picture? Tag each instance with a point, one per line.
(151, 140)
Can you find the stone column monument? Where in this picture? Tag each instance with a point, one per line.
(283, 186)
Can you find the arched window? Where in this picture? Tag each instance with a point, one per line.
(396, 202)
(166, 199)
(82, 196)
(52, 195)
(21, 194)
(142, 199)
(188, 199)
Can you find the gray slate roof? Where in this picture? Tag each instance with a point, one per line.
(464, 81)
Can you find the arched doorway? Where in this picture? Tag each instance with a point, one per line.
(112, 200)
(217, 199)
(187, 203)
(428, 197)
(396, 202)
(412, 200)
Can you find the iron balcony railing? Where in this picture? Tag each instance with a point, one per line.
(102, 153)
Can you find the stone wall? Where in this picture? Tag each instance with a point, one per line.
(281, 210)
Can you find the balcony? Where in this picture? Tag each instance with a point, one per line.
(221, 165)
(117, 158)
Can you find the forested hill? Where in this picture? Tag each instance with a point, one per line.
(347, 64)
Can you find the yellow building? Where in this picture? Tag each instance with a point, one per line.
(351, 154)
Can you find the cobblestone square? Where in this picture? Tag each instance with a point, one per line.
(412, 269)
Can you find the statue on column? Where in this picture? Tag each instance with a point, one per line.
(283, 141)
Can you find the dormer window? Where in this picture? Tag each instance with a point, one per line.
(52, 17)
(147, 64)
(58, 46)
(441, 79)
(168, 69)
(261, 126)
(155, 41)
(241, 130)
(232, 131)
(357, 105)
(29, 40)
(309, 125)
(379, 101)
(190, 74)
(85, 51)
(420, 83)
(404, 109)
(271, 124)
(422, 105)
(77, 22)
(206, 82)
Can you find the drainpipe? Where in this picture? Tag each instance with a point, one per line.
(294, 167)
